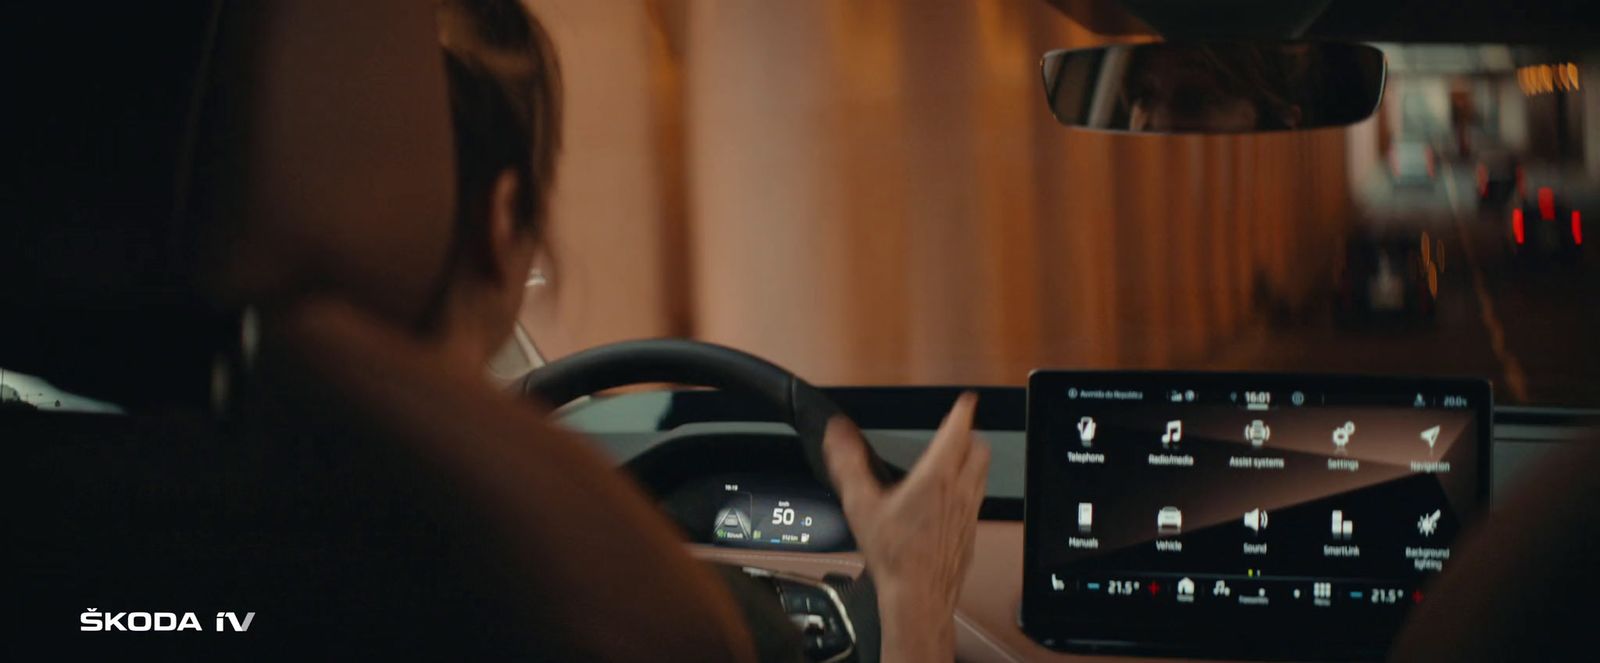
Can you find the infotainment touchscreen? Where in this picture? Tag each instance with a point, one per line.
(1243, 515)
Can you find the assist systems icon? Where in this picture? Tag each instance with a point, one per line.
(1258, 432)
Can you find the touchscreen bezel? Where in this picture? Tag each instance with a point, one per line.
(1047, 628)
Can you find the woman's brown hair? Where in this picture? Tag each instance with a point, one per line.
(505, 103)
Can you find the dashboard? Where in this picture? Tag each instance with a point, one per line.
(683, 446)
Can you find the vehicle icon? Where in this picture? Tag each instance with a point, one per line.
(1169, 520)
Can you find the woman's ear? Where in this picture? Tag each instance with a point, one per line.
(511, 245)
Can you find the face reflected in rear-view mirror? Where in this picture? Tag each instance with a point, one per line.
(1214, 88)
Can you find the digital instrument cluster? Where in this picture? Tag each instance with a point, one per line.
(1243, 515)
(753, 511)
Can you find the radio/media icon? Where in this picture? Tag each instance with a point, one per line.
(1255, 520)
(1174, 433)
(1086, 431)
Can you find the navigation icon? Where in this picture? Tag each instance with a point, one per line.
(1420, 402)
(1185, 589)
(1431, 436)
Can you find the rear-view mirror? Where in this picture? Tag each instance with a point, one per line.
(1213, 88)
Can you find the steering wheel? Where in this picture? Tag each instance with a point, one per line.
(807, 409)
(686, 362)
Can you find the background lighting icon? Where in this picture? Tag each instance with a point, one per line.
(1428, 524)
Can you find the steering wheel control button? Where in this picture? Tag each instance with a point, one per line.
(818, 616)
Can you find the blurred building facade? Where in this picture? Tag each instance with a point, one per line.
(876, 193)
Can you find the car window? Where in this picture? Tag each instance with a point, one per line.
(878, 195)
(20, 391)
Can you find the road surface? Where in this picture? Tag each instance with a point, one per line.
(1533, 331)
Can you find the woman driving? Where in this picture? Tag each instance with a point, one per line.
(340, 278)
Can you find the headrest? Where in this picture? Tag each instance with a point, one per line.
(95, 273)
(171, 163)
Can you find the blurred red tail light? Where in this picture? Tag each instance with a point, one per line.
(1577, 228)
(1516, 225)
(1547, 204)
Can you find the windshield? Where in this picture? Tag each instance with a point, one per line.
(867, 196)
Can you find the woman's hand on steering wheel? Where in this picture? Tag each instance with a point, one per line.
(917, 535)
